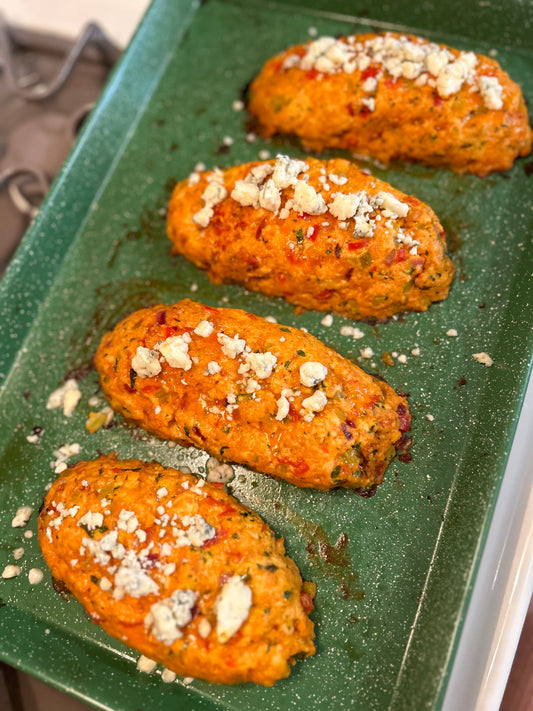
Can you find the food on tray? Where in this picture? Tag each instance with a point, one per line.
(249, 391)
(178, 570)
(322, 234)
(391, 96)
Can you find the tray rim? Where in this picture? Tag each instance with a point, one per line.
(502, 588)
(24, 257)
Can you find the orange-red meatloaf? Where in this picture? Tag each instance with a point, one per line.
(249, 391)
(390, 96)
(178, 570)
(322, 234)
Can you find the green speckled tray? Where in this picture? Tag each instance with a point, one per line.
(390, 604)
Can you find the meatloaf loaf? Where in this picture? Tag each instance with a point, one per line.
(322, 234)
(392, 96)
(178, 570)
(249, 391)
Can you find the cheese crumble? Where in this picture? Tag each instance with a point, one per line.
(232, 607)
(22, 516)
(145, 362)
(261, 363)
(399, 57)
(312, 373)
(483, 358)
(175, 351)
(263, 187)
(231, 347)
(66, 397)
(167, 618)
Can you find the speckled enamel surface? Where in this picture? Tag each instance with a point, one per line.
(393, 571)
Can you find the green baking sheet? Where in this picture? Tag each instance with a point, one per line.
(390, 603)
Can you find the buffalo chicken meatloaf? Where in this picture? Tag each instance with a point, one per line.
(390, 96)
(322, 234)
(178, 570)
(249, 391)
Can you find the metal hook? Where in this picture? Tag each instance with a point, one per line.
(19, 200)
(91, 34)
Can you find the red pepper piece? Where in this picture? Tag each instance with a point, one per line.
(307, 602)
(358, 244)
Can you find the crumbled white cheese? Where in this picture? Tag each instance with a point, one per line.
(91, 520)
(219, 472)
(261, 363)
(345, 205)
(35, 576)
(306, 199)
(237, 105)
(287, 170)
(127, 521)
(214, 193)
(11, 571)
(213, 367)
(175, 351)
(145, 362)
(366, 352)
(63, 513)
(483, 358)
(452, 333)
(246, 193)
(352, 331)
(204, 329)
(105, 584)
(194, 178)
(198, 530)
(370, 84)
(132, 579)
(232, 607)
(491, 92)
(399, 57)
(231, 347)
(252, 386)
(392, 207)
(204, 628)
(316, 402)
(35, 436)
(312, 373)
(260, 173)
(22, 516)
(144, 664)
(67, 397)
(62, 455)
(269, 196)
(168, 676)
(167, 618)
(283, 408)
(18, 553)
(327, 320)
